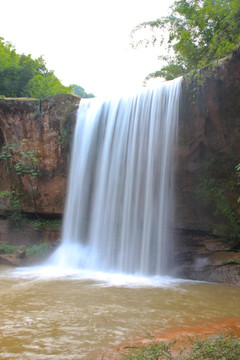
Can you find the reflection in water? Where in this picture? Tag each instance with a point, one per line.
(70, 316)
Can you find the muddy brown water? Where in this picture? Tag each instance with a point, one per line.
(49, 315)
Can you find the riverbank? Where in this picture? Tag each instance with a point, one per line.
(217, 340)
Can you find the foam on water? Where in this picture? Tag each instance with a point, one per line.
(98, 278)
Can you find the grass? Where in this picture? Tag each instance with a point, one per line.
(221, 347)
(154, 351)
(37, 250)
(8, 249)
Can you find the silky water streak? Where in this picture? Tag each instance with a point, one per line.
(119, 208)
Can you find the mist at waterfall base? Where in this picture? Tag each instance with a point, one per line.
(119, 208)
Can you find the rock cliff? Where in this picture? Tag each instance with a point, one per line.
(207, 212)
(48, 124)
(209, 146)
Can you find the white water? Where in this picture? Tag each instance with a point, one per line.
(119, 208)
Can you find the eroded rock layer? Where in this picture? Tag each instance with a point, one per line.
(48, 125)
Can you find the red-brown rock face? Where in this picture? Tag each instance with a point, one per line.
(49, 124)
(207, 211)
(209, 146)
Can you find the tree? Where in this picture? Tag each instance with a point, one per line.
(47, 84)
(22, 76)
(80, 91)
(199, 32)
(17, 70)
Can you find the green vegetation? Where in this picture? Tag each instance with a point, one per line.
(22, 161)
(8, 249)
(151, 352)
(235, 261)
(28, 167)
(80, 91)
(22, 76)
(216, 194)
(10, 205)
(41, 224)
(238, 175)
(221, 347)
(214, 197)
(37, 250)
(199, 32)
(216, 348)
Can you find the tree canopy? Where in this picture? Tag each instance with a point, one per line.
(198, 32)
(22, 76)
(80, 91)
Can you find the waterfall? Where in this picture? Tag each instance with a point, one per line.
(119, 208)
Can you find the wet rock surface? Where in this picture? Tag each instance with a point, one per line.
(200, 256)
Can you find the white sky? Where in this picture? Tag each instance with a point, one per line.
(86, 42)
